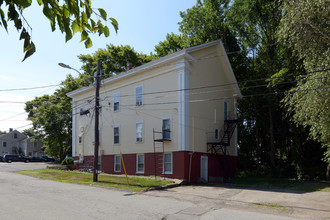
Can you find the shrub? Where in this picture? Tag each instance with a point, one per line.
(67, 161)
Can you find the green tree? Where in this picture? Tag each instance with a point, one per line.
(305, 25)
(51, 118)
(29, 132)
(70, 17)
(205, 22)
(171, 44)
(115, 59)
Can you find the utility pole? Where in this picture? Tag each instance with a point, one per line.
(96, 131)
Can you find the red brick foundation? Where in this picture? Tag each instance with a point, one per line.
(181, 165)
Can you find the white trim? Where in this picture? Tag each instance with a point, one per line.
(74, 127)
(183, 69)
(168, 172)
(139, 122)
(171, 129)
(114, 163)
(141, 95)
(137, 163)
(116, 126)
(116, 95)
(207, 167)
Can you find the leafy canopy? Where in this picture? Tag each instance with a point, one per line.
(70, 17)
(305, 25)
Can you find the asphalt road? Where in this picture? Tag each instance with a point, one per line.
(25, 197)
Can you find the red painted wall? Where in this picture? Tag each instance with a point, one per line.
(181, 162)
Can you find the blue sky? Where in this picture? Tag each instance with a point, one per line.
(142, 24)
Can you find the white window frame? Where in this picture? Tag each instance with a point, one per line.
(171, 130)
(15, 135)
(116, 126)
(4, 144)
(136, 96)
(116, 99)
(137, 163)
(171, 171)
(136, 137)
(115, 157)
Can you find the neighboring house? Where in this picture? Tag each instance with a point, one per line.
(17, 143)
(172, 116)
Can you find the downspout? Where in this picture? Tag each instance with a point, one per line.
(193, 145)
(190, 154)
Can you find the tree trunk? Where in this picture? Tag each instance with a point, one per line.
(271, 130)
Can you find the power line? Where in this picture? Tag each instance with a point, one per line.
(225, 84)
(29, 88)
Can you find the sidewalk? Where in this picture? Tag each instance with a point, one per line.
(297, 204)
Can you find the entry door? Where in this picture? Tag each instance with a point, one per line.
(204, 168)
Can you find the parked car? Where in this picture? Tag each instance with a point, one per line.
(37, 159)
(48, 159)
(15, 158)
(1, 158)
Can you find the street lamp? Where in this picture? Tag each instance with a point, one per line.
(71, 68)
(97, 107)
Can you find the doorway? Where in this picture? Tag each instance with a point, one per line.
(204, 168)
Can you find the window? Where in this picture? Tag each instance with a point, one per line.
(116, 135)
(139, 96)
(117, 165)
(168, 163)
(225, 111)
(139, 131)
(15, 135)
(216, 134)
(4, 144)
(116, 102)
(79, 139)
(166, 128)
(140, 163)
(35, 144)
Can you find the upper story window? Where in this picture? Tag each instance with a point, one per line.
(116, 135)
(225, 110)
(139, 127)
(166, 128)
(139, 96)
(35, 144)
(116, 102)
(80, 139)
(216, 134)
(15, 135)
(4, 144)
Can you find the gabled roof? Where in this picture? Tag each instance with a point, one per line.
(167, 59)
(10, 132)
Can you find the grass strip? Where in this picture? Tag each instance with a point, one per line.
(272, 206)
(282, 183)
(136, 184)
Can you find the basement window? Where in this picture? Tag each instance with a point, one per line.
(117, 165)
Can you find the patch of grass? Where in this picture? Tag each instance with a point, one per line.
(282, 183)
(136, 184)
(272, 206)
